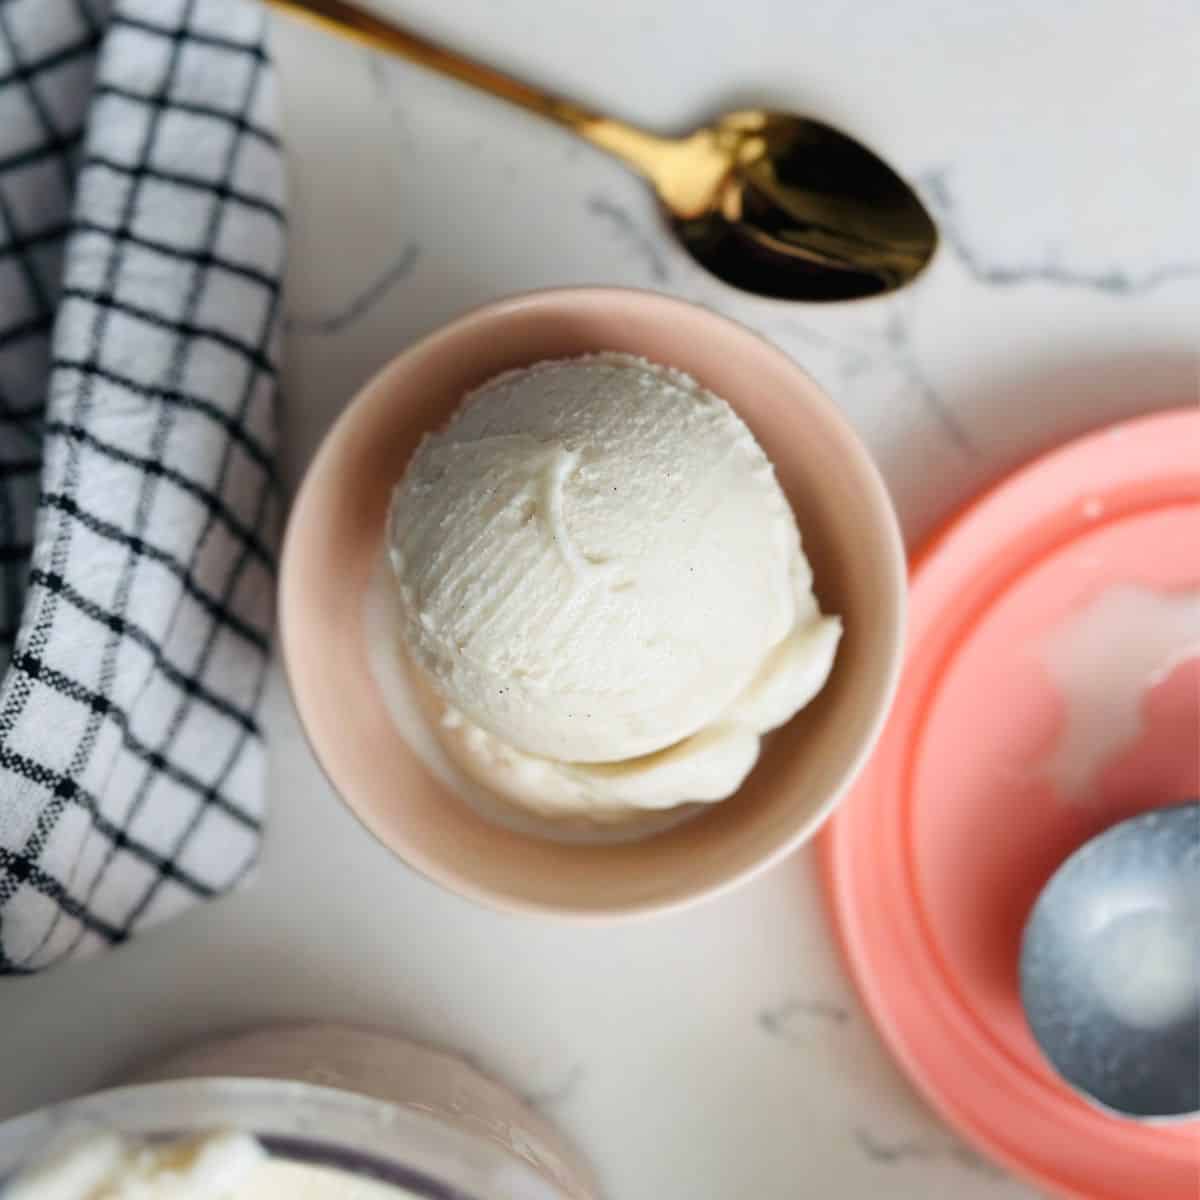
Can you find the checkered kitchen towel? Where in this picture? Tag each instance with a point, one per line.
(141, 247)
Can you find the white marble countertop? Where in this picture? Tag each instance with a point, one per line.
(721, 1052)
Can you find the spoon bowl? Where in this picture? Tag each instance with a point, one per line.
(1110, 967)
(808, 213)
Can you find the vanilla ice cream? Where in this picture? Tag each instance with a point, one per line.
(218, 1166)
(602, 588)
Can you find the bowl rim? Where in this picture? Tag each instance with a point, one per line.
(319, 1124)
(883, 512)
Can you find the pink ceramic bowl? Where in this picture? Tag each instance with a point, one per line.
(334, 541)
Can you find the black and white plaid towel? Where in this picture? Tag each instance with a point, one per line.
(141, 249)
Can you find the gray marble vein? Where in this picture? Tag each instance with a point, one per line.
(795, 1019)
(851, 359)
(894, 348)
(644, 245)
(344, 315)
(938, 191)
(899, 343)
(556, 1094)
(377, 71)
(891, 1153)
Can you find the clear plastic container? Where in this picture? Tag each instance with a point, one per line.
(364, 1103)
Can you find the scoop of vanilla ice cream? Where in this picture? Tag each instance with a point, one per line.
(601, 579)
(216, 1166)
(107, 1166)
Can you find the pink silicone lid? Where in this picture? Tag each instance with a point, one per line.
(934, 861)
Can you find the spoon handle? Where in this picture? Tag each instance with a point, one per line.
(350, 21)
(664, 161)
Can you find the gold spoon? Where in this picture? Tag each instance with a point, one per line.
(771, 203)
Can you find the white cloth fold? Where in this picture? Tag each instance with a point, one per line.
(141, 252)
